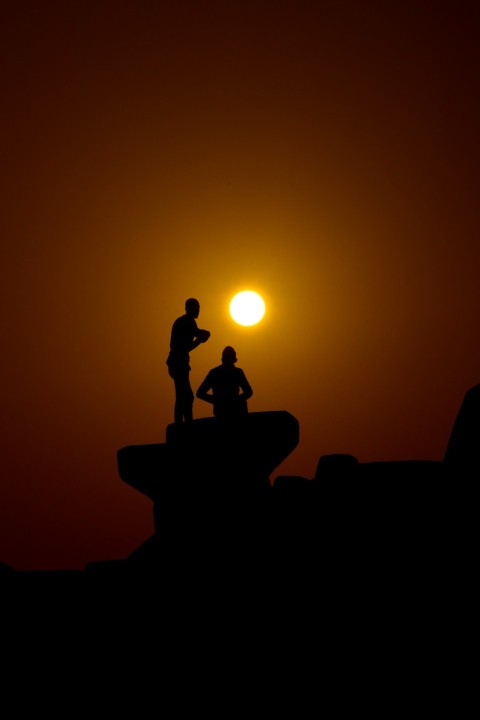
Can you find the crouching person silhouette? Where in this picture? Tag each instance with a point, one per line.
(225, 383)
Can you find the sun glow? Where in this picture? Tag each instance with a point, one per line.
(247, 308)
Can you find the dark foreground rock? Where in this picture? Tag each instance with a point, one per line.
(463, 449)
(210, 486)
(216, 512)
(210, 452)
(214, 504)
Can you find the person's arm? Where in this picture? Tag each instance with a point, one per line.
(245, 386)
(202, 392)
(184, 335)
(200, 336)
(195, 343)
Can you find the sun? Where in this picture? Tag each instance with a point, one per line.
(247, 308)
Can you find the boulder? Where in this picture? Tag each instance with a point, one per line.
(253, 444)
(208, 451)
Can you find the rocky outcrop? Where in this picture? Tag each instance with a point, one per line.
(214, 505)
(463, 449)
(209, 483)
(211, 492)
(209, 452)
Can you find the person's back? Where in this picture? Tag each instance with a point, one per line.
(181, 341)
(225, 382)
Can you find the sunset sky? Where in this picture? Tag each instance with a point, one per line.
(323, 153)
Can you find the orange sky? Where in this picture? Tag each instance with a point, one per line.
(325, 154)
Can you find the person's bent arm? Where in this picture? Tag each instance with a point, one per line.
(246, 387)
(195, 343)
(201, 336)
(202, 392)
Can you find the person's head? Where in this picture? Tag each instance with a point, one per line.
(229, 356)
(192, 307)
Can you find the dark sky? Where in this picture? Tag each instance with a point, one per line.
(324, 154)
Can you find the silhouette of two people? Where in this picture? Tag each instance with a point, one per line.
(226, 388)
(185, 337)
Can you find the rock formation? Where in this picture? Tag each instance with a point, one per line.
(215, 508)
(209, 483)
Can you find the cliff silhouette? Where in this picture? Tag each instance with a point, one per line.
(216, 511)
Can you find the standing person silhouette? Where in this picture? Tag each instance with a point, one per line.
(225, 381)
(185, 337)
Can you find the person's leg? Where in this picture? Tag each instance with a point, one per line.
(187, 398)
(178, 410)
(184, 397)
(177, 379)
